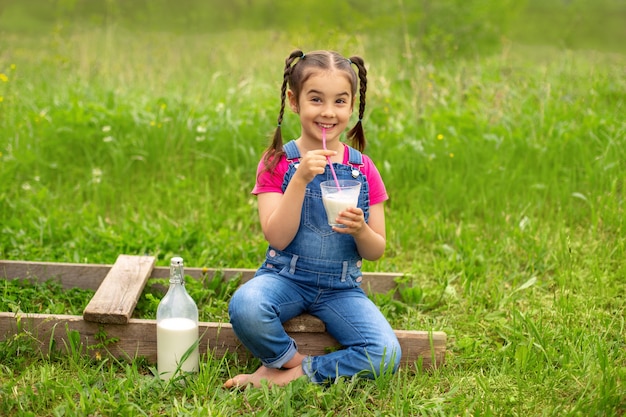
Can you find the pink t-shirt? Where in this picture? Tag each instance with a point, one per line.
(271, 182)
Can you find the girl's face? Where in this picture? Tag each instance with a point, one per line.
(325, 102)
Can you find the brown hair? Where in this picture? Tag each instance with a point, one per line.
(295, 75)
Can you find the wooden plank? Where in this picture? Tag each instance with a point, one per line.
(304, 323)
(84, 276)
(90, 276)
(137, 338)
(429, 348)
(373, 282)
(117, 296)
(226, 273)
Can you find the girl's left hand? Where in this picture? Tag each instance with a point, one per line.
(353, 221)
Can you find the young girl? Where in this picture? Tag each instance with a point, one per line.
(310, 266)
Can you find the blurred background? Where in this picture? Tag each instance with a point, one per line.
(148, 118)
(440, 28)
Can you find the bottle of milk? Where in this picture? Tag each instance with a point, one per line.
(177, 327)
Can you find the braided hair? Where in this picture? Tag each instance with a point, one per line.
(296, 72)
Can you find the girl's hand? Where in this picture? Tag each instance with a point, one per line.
(352, 220)
(313, 163)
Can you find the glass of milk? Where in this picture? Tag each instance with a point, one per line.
(337, 199)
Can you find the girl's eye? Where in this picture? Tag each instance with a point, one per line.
(316, 99)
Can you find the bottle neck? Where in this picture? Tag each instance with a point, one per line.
(177, 275)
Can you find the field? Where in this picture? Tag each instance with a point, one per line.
(502, 146)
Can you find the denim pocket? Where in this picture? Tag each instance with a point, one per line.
(314, 214)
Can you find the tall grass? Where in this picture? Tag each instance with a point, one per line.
(505, 171)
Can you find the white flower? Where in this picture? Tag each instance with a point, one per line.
(96, 175)
(524, 223)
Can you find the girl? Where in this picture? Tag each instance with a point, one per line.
(310, 266)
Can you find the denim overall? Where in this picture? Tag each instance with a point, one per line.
(319, 273)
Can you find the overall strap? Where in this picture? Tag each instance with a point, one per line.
(291, 150)
(354, 157)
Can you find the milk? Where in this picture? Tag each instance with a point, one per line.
(335, 204)
(339, 196)
(174, 337)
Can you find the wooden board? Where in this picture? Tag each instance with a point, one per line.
(84, 276)
(117, 295)
(137, 338)
(90, 276)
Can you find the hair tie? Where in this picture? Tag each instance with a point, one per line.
(349, 61)
(303, 55)
(278, 125)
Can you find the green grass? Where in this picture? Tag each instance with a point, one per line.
(506, 171)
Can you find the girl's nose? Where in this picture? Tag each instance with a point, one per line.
(328, 111)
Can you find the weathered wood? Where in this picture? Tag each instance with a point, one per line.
(84, 276)
(117, 296)
(90, 276)
(226, 273)
(137, 338)
(303, 323)
(418, 346)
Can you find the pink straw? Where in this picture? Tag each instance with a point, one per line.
(328, 157)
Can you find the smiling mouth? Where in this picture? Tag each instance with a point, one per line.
(325, 126)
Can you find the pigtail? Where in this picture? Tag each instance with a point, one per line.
(356, 134)
(275, 150)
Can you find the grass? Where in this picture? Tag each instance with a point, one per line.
(506, 175)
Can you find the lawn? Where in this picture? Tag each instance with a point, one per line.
(503, 148)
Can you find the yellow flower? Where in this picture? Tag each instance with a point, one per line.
(440, 137)
(13, 67)
(152, 123)
(1, 99)
(451, 155)
(163, 106)
(3, 77)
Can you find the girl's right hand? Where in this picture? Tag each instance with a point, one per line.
(313, 163)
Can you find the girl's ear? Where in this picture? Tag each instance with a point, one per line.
(293, 103)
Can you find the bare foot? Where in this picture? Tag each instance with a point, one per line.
(272, 376)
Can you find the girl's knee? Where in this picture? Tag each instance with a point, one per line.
(244, 305)
(249, 306)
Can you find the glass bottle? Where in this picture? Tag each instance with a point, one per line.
(177, 326)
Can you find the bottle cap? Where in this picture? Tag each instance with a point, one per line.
(177, 260)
